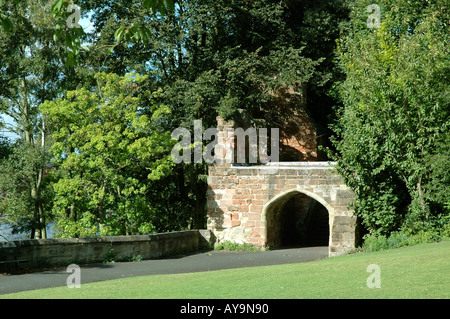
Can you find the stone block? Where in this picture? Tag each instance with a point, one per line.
(339, 221)
(235, 222)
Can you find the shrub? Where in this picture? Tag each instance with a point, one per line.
(445, 233)
(373, 242)
(229, 245)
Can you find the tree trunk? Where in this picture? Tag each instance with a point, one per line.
(36, 217)
(42, 222)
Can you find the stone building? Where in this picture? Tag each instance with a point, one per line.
(296, 201)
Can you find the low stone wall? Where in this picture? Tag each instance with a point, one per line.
(41, 253)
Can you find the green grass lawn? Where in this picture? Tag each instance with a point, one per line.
(421, 271)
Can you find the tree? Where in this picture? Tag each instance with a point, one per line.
(436, 190)
(30, 72)
(107, 154)
(209, 57)
(63, 10)
(218, 58)
(19, 176)
(396, 109)
(26, 193)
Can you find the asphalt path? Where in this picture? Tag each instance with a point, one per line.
(201, 261)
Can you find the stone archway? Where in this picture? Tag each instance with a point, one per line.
(240, 197)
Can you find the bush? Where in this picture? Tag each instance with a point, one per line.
(374, 243)
(402, 238)
(445, 233)
(229, 245)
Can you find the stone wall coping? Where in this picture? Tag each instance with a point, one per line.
(100, 239)
(287, 165)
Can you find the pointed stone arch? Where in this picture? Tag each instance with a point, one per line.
(296, 191)
(274, 210)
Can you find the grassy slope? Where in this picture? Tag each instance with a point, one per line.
(420, 271)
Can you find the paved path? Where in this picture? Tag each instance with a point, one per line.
(203, 261)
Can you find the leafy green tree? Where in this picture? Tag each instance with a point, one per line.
(31, 71)
(209, 57)
(436, 190)
(19, 174)
(396, 109)
(219, 58)
(107, 154)
(72, 36)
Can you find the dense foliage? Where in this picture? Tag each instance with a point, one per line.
(393, 127)
(93, 108)
(107, 152)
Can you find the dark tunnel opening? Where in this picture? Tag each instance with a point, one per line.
(299, 221)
